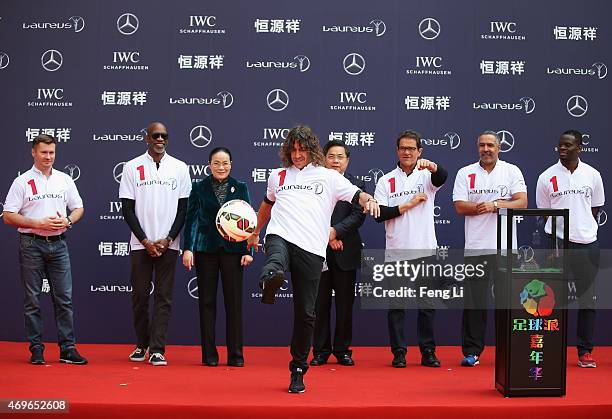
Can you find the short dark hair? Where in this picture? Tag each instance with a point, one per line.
(574, 133)
(218, 150)
(413, 135)
(336, 143)
(43, 138)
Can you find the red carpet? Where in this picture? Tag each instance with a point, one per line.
(111, 386)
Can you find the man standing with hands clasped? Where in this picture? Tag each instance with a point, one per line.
(154, 191)
(36, 205)
(480, 189)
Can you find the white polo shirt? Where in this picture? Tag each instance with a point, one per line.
(579, 192)
(412, 235)
(475, 184)
(303, 204)
(156, 192)
(37, 196)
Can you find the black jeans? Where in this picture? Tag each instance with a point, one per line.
(425, 321)
(584, 264)
(152, 334)
(305, 270)
(343, 284)
(476, 297)
(208, 266)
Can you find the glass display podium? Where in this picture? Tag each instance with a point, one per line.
(531, 302)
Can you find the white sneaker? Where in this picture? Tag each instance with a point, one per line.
(157, 359)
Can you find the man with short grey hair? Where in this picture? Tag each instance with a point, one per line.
(480, 189)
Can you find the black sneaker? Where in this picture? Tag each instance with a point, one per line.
(270, 284)
(37, 357)
(399, 359)
(72, 356)
(157, 359)
(138, 355)
(429, 359)
(297, 381)
(318, 360)
(346, 360)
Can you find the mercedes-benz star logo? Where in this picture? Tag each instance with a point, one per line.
(192, 287)
(127, 24)
(602, 70)
(4, 60)
(586, 139)
(506, 141)
(429, 28)
(379, 27)
(52, 60)
(118, 171)
(528, 104)
(227, 98)
(277, 100)
(454, 140)
(78, 22)
(577, 106)
(73, 171)
(354, 63)
(303, 62)
(200, 136)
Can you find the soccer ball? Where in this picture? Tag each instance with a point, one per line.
(236, 220)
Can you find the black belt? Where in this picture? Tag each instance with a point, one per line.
(45, 238)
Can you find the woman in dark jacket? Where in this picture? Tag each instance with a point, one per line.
(211, 254)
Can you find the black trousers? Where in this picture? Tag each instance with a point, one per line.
(425, 322)
(584, 264)
(476, 295)
(343, 284)
(305, 270)
(208, 266)
(152, 334)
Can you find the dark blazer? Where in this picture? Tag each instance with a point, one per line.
(200, 234)
(346, 219)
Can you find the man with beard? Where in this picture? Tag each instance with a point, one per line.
(480, 189)
(299, 202)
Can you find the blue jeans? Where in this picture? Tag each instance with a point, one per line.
(41, 259)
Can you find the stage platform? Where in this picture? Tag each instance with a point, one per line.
(113, 387)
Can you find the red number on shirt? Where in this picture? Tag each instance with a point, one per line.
(553, 180)
(392, 182)
(282, 175)
(33, 186)
(472, 177)
(141, 170)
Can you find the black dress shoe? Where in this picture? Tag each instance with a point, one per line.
(429, 359)
(345, 359)
(270, 284)
(236, 363)
(211, 363)
(318, 360)
(399, 359)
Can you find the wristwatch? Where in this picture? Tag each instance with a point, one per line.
(69, 222)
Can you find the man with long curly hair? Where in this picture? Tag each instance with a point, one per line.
(299, 202)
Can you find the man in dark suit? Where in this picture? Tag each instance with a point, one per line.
(343, 258)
